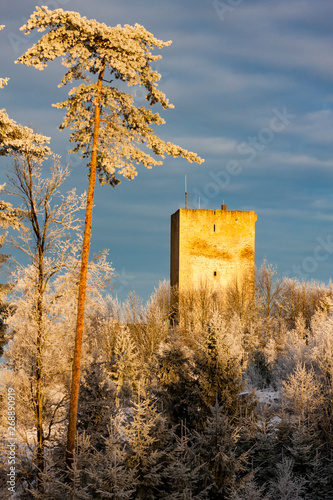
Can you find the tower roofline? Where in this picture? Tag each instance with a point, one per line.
(224, 210)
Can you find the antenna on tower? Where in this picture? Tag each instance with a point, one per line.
(185, 193)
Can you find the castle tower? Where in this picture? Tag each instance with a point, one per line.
(211, 246)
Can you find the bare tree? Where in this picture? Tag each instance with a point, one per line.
(46, 238)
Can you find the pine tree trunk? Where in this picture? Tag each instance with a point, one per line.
(83, 283)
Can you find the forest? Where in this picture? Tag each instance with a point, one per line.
(233, 401)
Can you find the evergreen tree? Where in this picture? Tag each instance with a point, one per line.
(108, 475)
(287, 486)
(177, 384)
(124, 366)
(320, 478)
(184, 469)
(248, 490)
(303, 394)
(220, 373)
(259, 370)
(97, 402)
(146, 436)
(263, 449)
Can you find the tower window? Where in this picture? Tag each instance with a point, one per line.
(214, 228)
(215, 273)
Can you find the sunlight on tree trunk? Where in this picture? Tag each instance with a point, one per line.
(83, 282)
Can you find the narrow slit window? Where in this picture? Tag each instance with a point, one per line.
(215, 273)
(214, 228)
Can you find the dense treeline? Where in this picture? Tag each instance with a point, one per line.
(234, 401)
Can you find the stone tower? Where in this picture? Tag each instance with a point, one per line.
(211, 246)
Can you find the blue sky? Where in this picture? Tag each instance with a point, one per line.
(251, 82)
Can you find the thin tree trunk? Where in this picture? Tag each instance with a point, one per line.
(83, 283)
(39, 395)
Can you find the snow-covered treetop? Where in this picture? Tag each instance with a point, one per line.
(15, 138)
(87, 45)
(3, 82)
(9, 216)
(89, 48)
